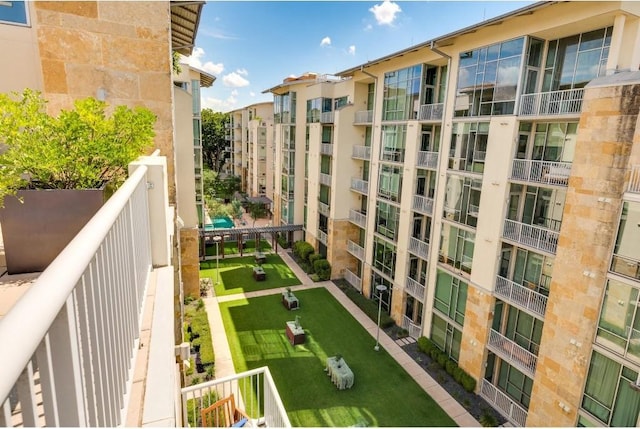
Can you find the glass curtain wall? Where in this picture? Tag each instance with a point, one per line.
(401, 94)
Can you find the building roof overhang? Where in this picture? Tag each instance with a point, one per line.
(185, 19)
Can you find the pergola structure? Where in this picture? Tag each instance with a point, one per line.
(238, 234)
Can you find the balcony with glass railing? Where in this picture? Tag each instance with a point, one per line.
(419, 248)
(360, 186)
(513, 411)
(326, 149)
(353, 279)
(361, 152)
(422, 204)
(325, 179)
(326, 117)
(545, 172)
(634, 180)
(355, 249)
(521, 296)
(323, 208)
(415, 289)
(358, 218)
(363, 117)
(553, 103)
(513, 353)
(431, 112)
(415, 330)
(533, 236)
(427, 160)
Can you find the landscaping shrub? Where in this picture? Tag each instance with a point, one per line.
(369, 307)
(322, 269)
(487, 419)
(450, 367)
(425, 345)
(313, 258)
(468, 382)
(314, 277)
(458, 373)
(302, 250)
(435, 353)
(442, 360)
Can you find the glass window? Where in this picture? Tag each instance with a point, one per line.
(517, 385)
(451, 296)
(401, 93)
(456, 249)
(393, 143)
(619, 324)
(446, 336)
(469, 144)
(390, 183)
(626, 253)
(387, 220)
(462, 200)
(384, 254)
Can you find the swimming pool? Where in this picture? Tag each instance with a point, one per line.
(223, 222)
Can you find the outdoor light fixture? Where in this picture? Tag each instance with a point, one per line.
(380, 289)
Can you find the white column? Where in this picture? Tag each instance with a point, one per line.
(616, 44)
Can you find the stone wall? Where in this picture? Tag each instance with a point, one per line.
(478, 317)
(340, 231)
(190, 261)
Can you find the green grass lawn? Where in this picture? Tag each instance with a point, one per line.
(236, 274)
(231, 247)
(383, 393)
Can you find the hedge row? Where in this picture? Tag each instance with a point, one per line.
(198, 332)
(369, 307)
(314, 264)
(428, 347)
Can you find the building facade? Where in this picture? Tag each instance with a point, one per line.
(493, 188)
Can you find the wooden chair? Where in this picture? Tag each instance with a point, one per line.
(223, 413)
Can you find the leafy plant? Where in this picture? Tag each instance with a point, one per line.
(487, 419)
(81, 148)
(322, 268)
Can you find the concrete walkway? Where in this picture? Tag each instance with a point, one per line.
(224, 362)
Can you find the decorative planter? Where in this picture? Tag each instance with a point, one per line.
(37, 229)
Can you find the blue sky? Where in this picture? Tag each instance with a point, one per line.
(251, 46)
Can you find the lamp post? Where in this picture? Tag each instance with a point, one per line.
(217, 239)
(380, 289)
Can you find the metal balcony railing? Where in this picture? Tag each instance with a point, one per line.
(565, 102)
(322, 237)
(473, 210)
(361, 152)
(431, 112)
(427, 160)
(549, 172)
(511, 352)
(323, 208)
(326, 117)
(422, 204)
(531, 235)
(626, 266)
(415, 330)
(326, 149)
(521, 296)
(325, 179)
(358, 218)
(634, 180)
(479, 155)
(415, 289)
(363, 117)
(419, 248)
(353, 279)
(359, 185)
(355, 250)
(254, 392)
(509, 408)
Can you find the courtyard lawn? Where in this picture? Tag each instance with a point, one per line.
(231, 247)
(236, 274)
(383, 393)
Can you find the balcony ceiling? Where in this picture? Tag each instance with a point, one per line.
(185, 18)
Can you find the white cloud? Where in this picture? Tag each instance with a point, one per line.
(234, 80)
(220, 105)
(326, 41)
(385, 13)
(195, 60)
(252, 94)
(352, 49)
(243, 72)
(234, 92)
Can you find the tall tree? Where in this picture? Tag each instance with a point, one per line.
(213, 141)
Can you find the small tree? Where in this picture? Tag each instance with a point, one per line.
(256, 211)
(236, 207)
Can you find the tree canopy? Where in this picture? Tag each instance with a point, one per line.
(213, 141)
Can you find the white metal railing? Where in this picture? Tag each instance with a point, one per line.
(353, 279)
(322, 236)
(73, 335)
(427, 160)
(355, 250)
(634, 180)
(360, 185)
(522, 296)
(550, 172)
(326, 149)
(531, 235)
(415, 289)
(363, 117)
(419, 247)
(513, 353)
(358, 218)
(323, 208)
(479, 155)
(473, 210)
(568, 101)
(325, 179)
(431, 112)
(415, 330)
(503, 403)
(361, 152)
(326, 117)
(422, 204)
(254, 392)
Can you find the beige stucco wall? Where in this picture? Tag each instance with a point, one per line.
(185, 178)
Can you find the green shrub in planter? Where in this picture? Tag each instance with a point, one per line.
(443, 359)
(450, 366)
(314, 257)
(458, 373)
(468, 382)
(434, 353)
(425, 345)
(302, 250)
(314, 278)
(323, 269)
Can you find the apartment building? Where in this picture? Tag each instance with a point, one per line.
(494, 187)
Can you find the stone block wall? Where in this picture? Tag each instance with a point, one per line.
(341, 230)
(478, 317)
(190, 261)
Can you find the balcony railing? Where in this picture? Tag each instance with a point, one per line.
(626, 266)
(511, 352)
(431, 112)
(323, 208)
(326, 149)
(361, 152)
(359, 185)
(531, 235)
(322, 237)
(415, 289)
(326, 117)
(353, 279)
(427, 160)
(422, 204)
(355, 250)
(552, 173)
(415, 330)
(419, 248)
(358, 218)
(565, 102)
(254, 392)
(521, 296)
(363, 117)
(503, 403)
(325, 179)
(634, 180)
(479, 155)
(70, 342)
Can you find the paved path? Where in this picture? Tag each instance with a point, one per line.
(224, 363)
